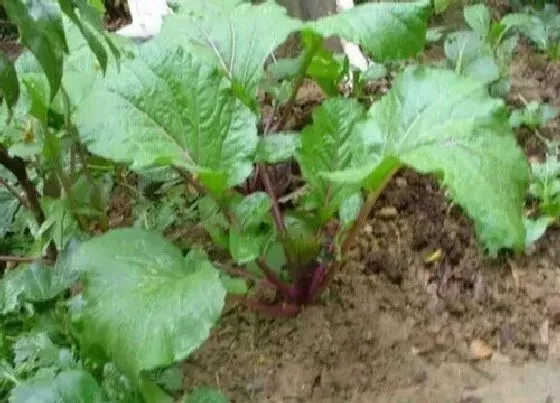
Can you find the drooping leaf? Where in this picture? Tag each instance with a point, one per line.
(236, 38)
(41, 31)
(89, 22)
(388, 31)
(166, 108)
(9, 86)
(478, 18)
(437, 122)
(326, 146)
(276, 147)
(145, 305)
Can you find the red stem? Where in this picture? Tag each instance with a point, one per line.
(286, 290)
(278, 310)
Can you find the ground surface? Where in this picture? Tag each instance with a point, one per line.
(396, 328)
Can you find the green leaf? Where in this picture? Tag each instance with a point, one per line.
(252, 210)
(529, 25)
(350, 208)
(375, 72)
(536, 228)
(12, 288)
(276, 148)
(8, 207)
(472, 57)
(235, 38)
(172, 110)
(248, 245)
(40, 26)
(205, 395)
(89, 24)
(478, 18)
(145, 305)
(9, 86)
(441, 5)
(326, 146)
(34, 350)
(66, 387)
(388, 31)
(437, 122)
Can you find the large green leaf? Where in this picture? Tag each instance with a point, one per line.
(389, 31)
(41, 31)
(145, 305)
(165, 108)
(326, 146)
(437, 122)
(66, 387)
(237, 38)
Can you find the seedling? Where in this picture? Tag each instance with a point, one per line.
(540, 25)
(534, 116)
(484, 52)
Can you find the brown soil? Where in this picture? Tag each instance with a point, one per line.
(398, 322)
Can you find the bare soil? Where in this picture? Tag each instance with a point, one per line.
(415, 312)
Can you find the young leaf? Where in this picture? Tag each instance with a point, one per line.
(235, 38)
(326, 146)
(248, 245)
(529, 25)
(536, 228)
(145, 305)
(276, 147)
(437, 122)
(172, 109)
(252, 210)
(478, 18)
(40, 26)
(9, 86)
(472, 57)
(389, 31)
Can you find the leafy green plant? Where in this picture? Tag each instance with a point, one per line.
(484, 52)
(540, 25)
(534, 116)
(40, 27)
(187, 102)
(544, 189)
